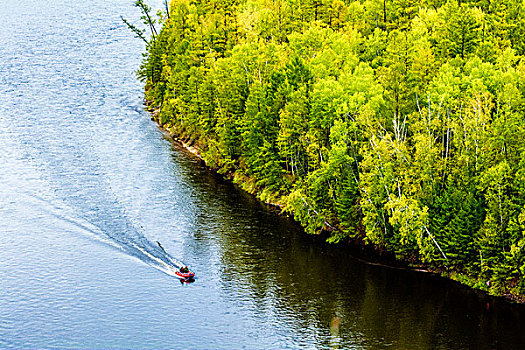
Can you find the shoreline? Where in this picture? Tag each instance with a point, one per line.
(192, 147)
(193, 150)
(359, 251)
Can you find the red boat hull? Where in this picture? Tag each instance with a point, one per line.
(185, 275)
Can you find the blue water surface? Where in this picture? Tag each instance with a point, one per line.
(88, 185)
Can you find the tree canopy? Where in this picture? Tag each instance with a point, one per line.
(396, 123)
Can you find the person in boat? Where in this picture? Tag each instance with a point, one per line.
(184, 269)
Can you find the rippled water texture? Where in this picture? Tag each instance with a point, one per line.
(88, 185)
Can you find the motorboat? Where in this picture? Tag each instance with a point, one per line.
(184, 273)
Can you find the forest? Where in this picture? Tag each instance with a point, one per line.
(394, 124)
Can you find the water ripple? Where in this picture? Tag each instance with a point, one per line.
(88, 184)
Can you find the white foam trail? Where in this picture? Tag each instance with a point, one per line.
(94, 231)
(64, 213)
(170, 270)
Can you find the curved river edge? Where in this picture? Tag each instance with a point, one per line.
(358, 249)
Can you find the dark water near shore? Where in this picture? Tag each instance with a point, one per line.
(88, 185)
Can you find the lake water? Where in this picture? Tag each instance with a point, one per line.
(88, 184)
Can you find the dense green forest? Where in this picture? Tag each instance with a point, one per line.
(398, 124)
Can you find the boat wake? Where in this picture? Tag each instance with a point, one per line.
(129, 240)
(84, 182)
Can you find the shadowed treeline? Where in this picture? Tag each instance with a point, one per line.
(268, 263)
